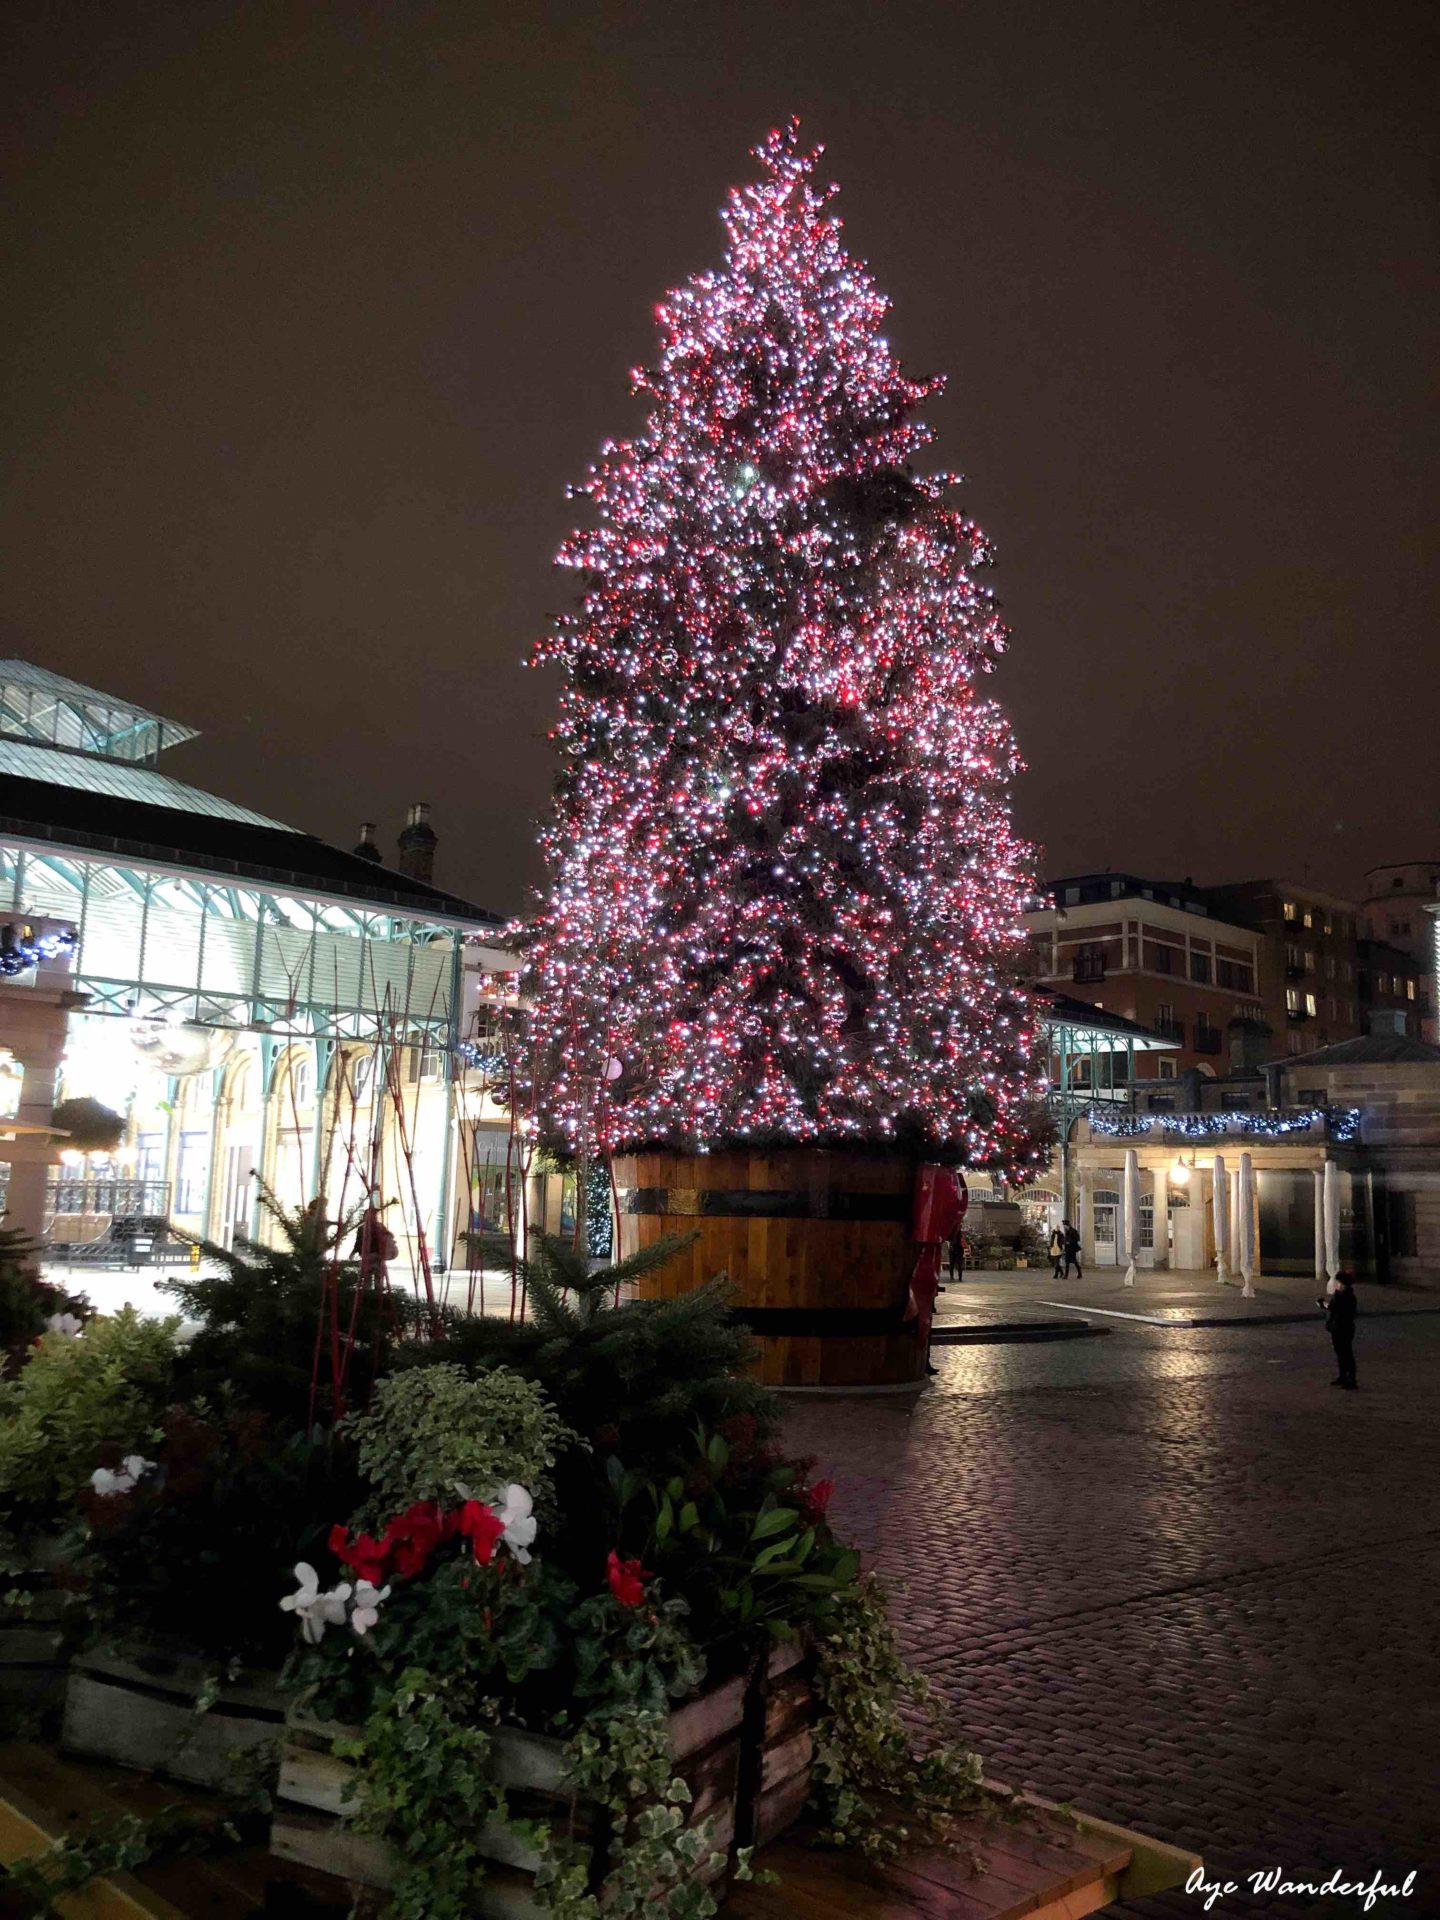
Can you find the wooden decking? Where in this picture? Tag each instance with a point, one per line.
(1041, 1867)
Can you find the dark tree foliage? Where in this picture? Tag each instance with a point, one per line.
(26, 1301)
(634, 1378)
(274, 1318)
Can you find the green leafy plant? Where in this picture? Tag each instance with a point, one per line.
(631, 1377)
(875, 1791)
(75, 1396)
(432, 1428)
(733, 1523)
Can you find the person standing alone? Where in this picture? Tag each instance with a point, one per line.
(1340, 1308)
(1072, 1250)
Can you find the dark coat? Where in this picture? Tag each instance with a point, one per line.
(1340, 1313)
(1072, 1242)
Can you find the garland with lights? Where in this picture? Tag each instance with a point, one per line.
(1342, 1123)
(783, 889)
(20, 949)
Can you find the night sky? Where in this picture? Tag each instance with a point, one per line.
(312, 311)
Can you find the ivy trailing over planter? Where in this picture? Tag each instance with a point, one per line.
(875, 1792)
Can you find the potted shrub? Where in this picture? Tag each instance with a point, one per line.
(564, 1655)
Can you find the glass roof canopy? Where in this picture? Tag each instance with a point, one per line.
(119, 780)
(239, 956)
(51, 710)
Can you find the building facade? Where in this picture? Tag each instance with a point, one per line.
(255, 1004)
(1153, 953)
(1309, 958)
(1399, 909)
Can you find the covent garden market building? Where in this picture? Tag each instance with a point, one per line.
(249, 1000)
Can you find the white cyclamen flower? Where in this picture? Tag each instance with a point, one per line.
(515, 1510)
(130, 1471)
(315, 1610)
(367, 1605)
(67, 1323)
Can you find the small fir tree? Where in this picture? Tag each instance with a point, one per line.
(784, 891)
(282, 1327)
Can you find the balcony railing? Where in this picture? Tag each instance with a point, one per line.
(1207, 1039)
(1297, 1014)
(119, 1198)
(1168, 1029)
(1089, 970)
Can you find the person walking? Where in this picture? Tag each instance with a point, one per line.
(1340, 1309)
(1072, 1251)
(1057, 1251)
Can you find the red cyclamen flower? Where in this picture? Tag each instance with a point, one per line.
(413, 1536)
(481, 1526)
(627, 1578)
(366, 1557)
(816, 1499)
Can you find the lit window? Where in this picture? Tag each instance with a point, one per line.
(1309, 918)
(1292, 1000)
(1310, 1004)
(1290, 910)
(1409, 989)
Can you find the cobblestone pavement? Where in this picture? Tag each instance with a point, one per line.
(1178, 1580)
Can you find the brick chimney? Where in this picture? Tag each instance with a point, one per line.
(367, 849)
(417, 844)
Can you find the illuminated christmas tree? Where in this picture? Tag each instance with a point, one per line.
(783, 889)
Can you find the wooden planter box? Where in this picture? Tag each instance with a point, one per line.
(33, 1667)
(139, 1708)
(744, 1755)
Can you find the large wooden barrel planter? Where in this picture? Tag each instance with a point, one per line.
(816, 1243)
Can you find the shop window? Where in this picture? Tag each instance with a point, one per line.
(150, 1157)
(192, 1170)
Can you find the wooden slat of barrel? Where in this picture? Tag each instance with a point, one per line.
(790, 1261)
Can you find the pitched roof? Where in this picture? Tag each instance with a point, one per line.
(1368, 1050)
(224, 848)
(121, 780)
(1066, 1011)
(36, 704)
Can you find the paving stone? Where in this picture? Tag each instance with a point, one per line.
(1173, 1577)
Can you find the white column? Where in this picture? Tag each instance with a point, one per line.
(1130, 1210)
(1319, 1223)
(1247, 1225)
(1332, 1219)
(1235, 1221)
(1219, 1195)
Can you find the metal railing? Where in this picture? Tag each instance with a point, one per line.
(119, 1198)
